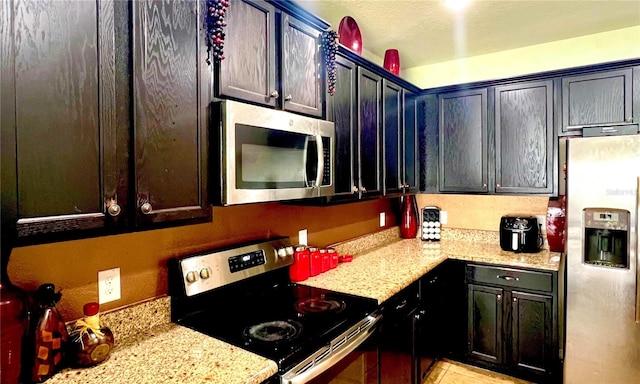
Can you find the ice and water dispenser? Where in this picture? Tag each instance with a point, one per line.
(606, 237)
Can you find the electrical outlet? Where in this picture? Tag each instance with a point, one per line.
(302, 237)
(108, 285)
(443, 217)
(383, 219)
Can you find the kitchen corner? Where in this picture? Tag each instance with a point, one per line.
(151, 349)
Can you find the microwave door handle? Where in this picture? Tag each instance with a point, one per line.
(320, 162)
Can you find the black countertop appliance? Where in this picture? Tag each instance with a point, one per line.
(520, 233)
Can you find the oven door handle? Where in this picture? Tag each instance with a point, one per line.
(309, 374)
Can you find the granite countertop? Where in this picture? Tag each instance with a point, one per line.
(384, 271)
(151, 349)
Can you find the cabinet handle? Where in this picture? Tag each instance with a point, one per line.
(499, 297)
(146, 208)
(288, 98)
(402, 304)
(113, 208)
(275, 94)
(508, 278)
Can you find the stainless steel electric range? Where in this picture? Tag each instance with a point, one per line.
(243, 296)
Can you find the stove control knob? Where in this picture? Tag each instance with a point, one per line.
(192, 276)
(205, 273)
(282, 252)
(289, 251)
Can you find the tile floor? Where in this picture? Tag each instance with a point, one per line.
(452, 372)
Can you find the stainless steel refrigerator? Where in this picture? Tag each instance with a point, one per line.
(602, 276)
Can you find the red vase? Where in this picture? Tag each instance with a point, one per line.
(409, 217)
(392, 61)
(14, 315)
(556, 224)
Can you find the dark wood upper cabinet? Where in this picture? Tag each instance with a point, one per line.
(392, 115)
(248, 71)
(463, 141)
(171, 81)
(409, 161)
(104, 109)
(60, 170)
(302, 78)
(601, 98)
(369, 132)
(344, 115)
(524, 138)
(285, 72)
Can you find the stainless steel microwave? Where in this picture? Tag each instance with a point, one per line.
(270, 155)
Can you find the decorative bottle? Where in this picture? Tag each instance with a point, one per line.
(409, 217)
(50, 335)
(91, 342)
(14, 318)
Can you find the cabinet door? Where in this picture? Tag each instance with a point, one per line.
(524, 138)
(369, 106)
(484, 323)
(248, 71)
(302, 78)
(392, 114)
(59, 167)
(463, 141)
(171, 79)
(410, 143)
(531, 338)
(596, 99)
(344, 118)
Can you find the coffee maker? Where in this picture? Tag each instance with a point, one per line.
(606, 233)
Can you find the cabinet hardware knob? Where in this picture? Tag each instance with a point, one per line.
(275, 94)
(484, 185)
(499, 297)
(146, 208)
(630, 119)
(363, 189)
(288, 97)
(515, 300)
(354, 189)
(114, 209)
(497, 185)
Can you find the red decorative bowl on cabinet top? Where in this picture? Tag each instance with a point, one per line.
(349, 34)
(392, 61)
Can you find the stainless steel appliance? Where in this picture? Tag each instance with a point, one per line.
(520, 234)
(243, 296)
(602, 286)
(269, 155)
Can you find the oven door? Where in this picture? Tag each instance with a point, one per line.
(353, 356)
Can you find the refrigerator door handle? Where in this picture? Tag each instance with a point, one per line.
(638, 252)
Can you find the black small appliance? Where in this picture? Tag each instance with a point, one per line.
(520, 233)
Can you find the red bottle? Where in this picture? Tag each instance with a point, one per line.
(409, 217)
(50, 335)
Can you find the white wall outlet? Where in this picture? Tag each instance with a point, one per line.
(302, 237)
(108, 285)
(444, 217)
(383, 219)
(542, 219)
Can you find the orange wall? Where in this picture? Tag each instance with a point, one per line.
(142, 257)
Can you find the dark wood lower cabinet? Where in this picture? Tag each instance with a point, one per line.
(511, 330)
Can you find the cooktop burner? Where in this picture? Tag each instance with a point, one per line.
(318, 305)
(273, 331)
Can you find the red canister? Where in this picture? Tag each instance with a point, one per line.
(315, 261)
(299, 270)
(326, 260)
(333, 258)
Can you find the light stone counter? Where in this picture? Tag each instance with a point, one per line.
(151, 349)
(385, 270)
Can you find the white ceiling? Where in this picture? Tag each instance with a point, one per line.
(427, 32)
